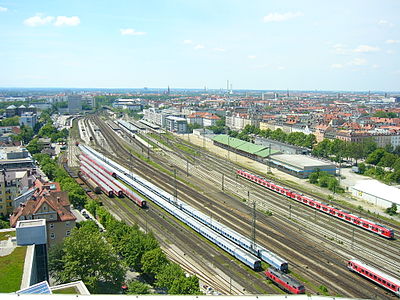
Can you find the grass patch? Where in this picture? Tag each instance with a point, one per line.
(159, 139)
(187, 149)
(267, 212)
(299, 277)
(154, 145)
(324, 290)
(68, 290)
(11, 269)
(4, 235)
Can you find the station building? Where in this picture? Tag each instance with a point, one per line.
(256, 152)
(300, 165)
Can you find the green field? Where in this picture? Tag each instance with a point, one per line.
(11, 269)
(68, 290)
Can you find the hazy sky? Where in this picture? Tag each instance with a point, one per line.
(265, 44)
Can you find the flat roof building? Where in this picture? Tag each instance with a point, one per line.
(300, 165)
(376, 192)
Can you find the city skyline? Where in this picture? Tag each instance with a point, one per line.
(350, 46)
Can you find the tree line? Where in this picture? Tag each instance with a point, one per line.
(139, 251)
(54, 172)
(294, 138)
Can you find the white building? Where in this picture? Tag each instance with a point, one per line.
(176, 124)
(378, 193)
(74, 104)
(238, 122)
(28, 119)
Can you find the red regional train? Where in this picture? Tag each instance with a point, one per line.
(388, 282)
(99, 164)
(108, 175)
(285, 282)
(117, 190)
(104, 187)
(330, 210)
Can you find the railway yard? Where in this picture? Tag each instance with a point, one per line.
(316, 246)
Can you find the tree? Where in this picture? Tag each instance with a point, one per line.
(387, 160)
(375, 157)
(185, 286)
(153, 261)
(56, 263)
(369, 146)
(361, 168)
(91, 206)
(13, 121)
(356, 151)
(392, 210)
(165, 278)
(333, 184)
(136, 287)
(88, 257)
(4, 224)
(323, 179)
(76, 199)
(34, 147)
(313, 178)
(136, 244)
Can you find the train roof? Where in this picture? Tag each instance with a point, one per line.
(272, 256)
(284, 277)
(100, 176)
(95, 179)
(376, 271)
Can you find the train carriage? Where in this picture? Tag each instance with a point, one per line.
(104, 187)
(285, 282)
(117, 190)
(99, 164)
(127, 191)
(384, 280)
(150, 190)
(326, 208)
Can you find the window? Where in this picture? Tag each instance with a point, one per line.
(67, 233)
(52, 235)
(51, 225)
(67, 224)
(51, 217)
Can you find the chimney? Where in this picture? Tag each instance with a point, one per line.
(58, 199)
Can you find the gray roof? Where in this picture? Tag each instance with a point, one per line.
(300, 161)
(11, 107)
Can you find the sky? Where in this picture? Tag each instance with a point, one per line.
(255, 44)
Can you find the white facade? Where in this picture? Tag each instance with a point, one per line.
(395, 141)
(176, 124)
(378, 193)
(235, 122)
(28, 119)
(31, 232)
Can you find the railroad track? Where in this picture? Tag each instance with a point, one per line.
(386, 251)
(349, 287)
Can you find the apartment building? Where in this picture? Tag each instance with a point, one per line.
(239, 121)
(12, 184)
(51, 204)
